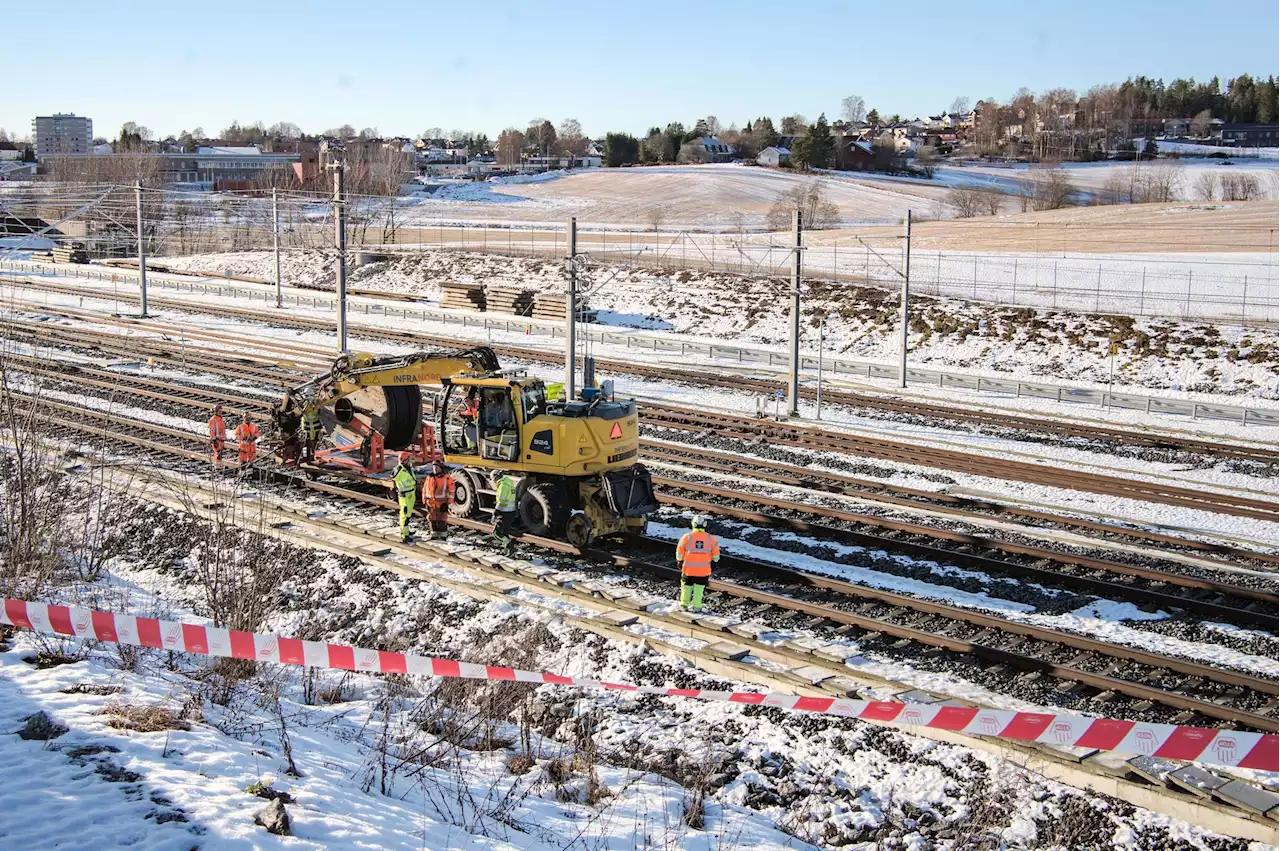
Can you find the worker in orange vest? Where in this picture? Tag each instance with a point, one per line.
(697, 549)
(247, 436)
(217, 434)
(470, 414)
(437, 492)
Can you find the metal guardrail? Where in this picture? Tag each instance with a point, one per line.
(719, 351)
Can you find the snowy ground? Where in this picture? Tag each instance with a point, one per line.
(958, 335)
(408, 764)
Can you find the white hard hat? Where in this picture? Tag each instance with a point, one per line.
(699, 521)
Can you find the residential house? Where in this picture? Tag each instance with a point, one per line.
(538, 162)
(1250, 135)
(854, 155)
(705, 149)
(774, 156)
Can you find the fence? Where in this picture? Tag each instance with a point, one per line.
(661, 344)
(1057, 272)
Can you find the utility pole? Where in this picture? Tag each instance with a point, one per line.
(340, 242)
(793, 380)
(275, 244)
(906, 297)
(142, 248)
(822, 318)
(571, 313)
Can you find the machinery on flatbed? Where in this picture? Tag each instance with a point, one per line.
(574, 461)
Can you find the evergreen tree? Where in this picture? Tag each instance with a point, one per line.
(822, 145)
(800, 153)
(621, 149)
(873, 118)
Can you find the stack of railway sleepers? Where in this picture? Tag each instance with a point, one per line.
(73, 253)
(515, 300)
(463, 296)
(550, 305)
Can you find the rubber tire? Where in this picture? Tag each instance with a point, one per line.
(578, 531)
(543, 510)
(466, 497)
(404, 415)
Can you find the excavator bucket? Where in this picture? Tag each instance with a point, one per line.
(630, 491)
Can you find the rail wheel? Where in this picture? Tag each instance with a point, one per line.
(543, 510)
(578, 531)
(466, 496)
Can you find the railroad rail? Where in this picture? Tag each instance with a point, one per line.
(760, 386)
(728, 352)
(1205, 597)
(792, 434)
(1190, 688)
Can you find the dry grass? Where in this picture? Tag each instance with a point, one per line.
(1120, 229)
(142, 719)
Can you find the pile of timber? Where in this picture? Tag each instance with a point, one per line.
(509, 300)
(550, 305)
(73, 253)
(463, 296)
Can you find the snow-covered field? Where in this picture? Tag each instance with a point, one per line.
(960, 335)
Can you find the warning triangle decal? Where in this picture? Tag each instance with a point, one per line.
(616, 432)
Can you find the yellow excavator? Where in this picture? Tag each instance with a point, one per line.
(574, 461)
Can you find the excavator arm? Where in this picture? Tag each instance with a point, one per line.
(351, 373)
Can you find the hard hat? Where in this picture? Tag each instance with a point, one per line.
(699, 521)
(437, 467)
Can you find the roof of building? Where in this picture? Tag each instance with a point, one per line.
(226, 150)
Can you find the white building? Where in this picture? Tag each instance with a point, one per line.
(62, 134)
(774, 156)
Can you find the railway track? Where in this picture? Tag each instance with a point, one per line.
(790, 434)
(1086, 669)
(1205, 597)
(961, 507)
(761, 386)
(807, 437)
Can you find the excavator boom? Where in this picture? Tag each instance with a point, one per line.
(351, 373)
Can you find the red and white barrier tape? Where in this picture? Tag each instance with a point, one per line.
(1194, 744)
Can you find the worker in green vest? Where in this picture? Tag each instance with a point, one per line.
(504, 507)
(311, 431)
(406, 494)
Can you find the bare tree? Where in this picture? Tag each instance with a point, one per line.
(1206, 186)
(816, 210)
(994, 201)
(1051, 189)
(510, 147)
(571, 139)
(959, 105)
(1200, 124)
(854, 109)
(793, 125)
(1239, 186)
(966, 201)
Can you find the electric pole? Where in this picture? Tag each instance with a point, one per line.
(906, 297)
(571, 313)
(793, 380)
(338, 167)
(142, 248)
(275, 244)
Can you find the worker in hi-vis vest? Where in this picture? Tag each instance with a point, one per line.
(504, 507)
(406, 494)
(697, 549)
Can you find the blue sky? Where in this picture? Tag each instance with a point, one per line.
(404, 67)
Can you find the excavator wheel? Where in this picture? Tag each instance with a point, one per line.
(466, 495)
(403, 417)
(544, 510)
